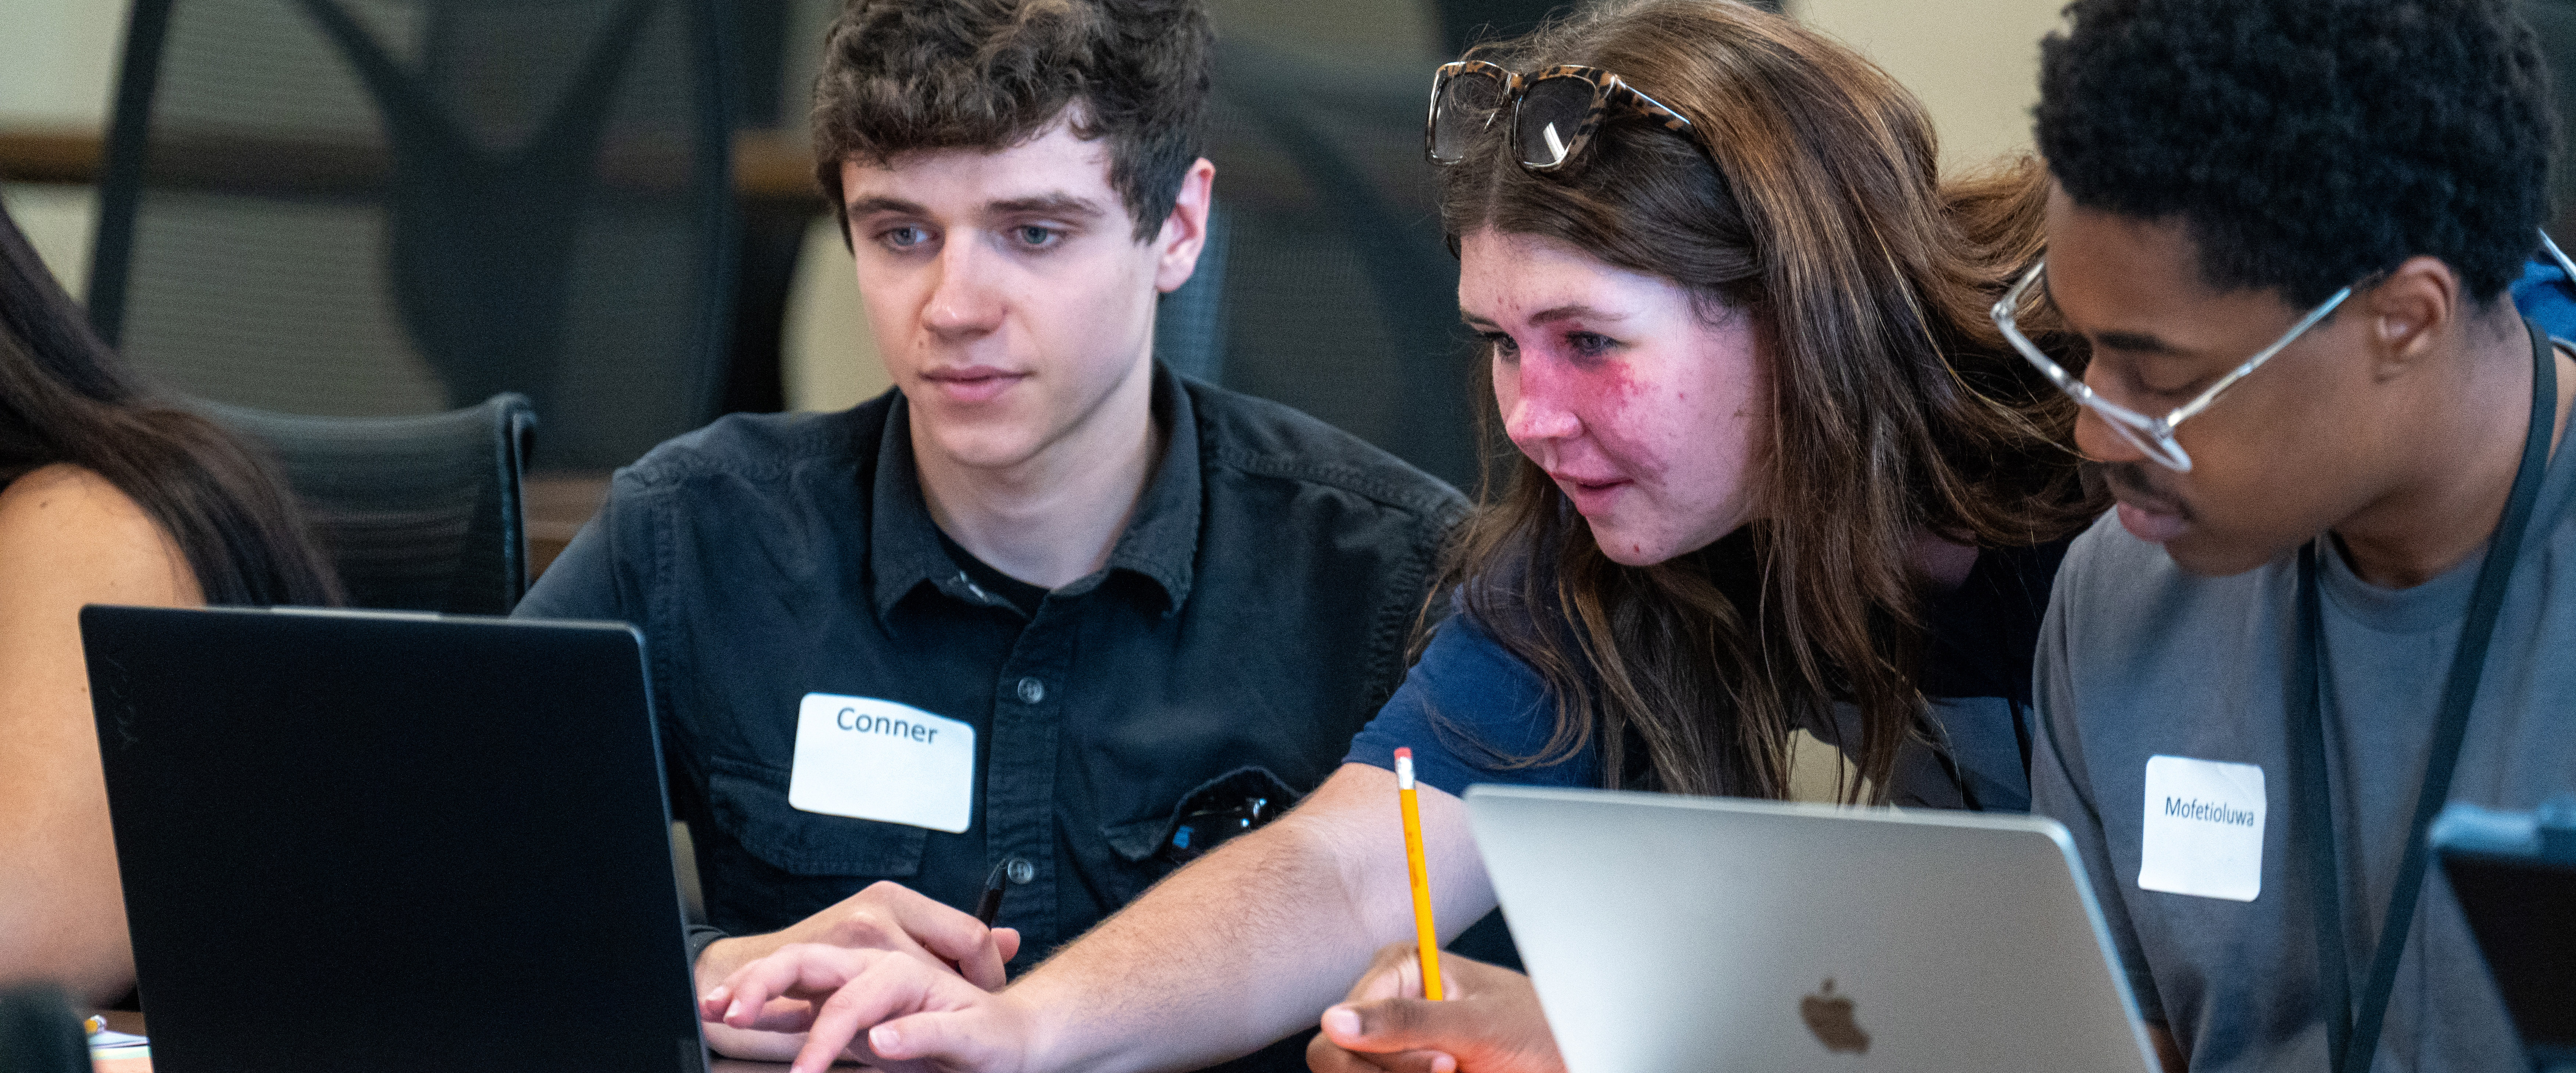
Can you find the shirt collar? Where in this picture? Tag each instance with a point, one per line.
(1160, 543)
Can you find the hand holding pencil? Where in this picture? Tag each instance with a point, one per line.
(1488, 1022)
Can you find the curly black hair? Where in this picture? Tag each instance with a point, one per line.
(2307, 144)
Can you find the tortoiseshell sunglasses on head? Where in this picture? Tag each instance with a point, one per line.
(1553, 112)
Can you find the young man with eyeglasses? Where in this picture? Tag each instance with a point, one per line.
(2340, 586)
(975, 652)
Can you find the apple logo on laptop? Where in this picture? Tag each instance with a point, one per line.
(1829, 1016)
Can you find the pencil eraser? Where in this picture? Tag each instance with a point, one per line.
(1404, 752)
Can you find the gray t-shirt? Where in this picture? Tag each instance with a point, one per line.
(2140, 660)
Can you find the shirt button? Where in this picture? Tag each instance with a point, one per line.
(1019, 871)
(1031, 692)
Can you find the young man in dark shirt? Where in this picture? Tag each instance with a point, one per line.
(996, 626)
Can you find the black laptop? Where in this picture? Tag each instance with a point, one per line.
(391, 842)
(2514, 874)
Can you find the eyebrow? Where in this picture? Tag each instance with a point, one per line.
(1569, 311)
(866, 205)
(2137, 343)
(2129, 342)
(1051, 204)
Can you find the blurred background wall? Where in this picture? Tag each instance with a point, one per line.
(1971, 61)
(1324, 202)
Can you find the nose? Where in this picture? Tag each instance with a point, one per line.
(964, 301)
(2097, 441)
(1531, 394)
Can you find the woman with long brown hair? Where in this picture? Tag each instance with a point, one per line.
(1781, 477)
(107, 495)
(1780, 480)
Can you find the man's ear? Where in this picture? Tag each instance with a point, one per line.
(1185, 230)
(2408, 313)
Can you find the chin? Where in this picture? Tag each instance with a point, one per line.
(1632, 549)
(2201, 555)
(986, 448)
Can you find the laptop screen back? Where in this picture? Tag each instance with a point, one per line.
(391, 842)
(1670, 933)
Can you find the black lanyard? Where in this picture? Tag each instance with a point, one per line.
(2352, 1034)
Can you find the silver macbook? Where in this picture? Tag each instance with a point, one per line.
(1674, 933)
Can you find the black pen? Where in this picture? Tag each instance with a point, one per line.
(990, 905)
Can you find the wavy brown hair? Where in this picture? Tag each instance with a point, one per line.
(1806, 195)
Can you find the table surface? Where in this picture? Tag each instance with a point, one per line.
(132, 1022)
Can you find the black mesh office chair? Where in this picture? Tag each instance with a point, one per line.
(39, 1033)
(385, 207)
(418, 513)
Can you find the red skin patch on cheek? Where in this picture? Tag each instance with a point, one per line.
(1605, 396)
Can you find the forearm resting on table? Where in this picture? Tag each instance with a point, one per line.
(1251, 943)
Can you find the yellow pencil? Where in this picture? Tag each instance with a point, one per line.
(1425, 936)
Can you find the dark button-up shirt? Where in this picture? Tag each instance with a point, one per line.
(1253, 614)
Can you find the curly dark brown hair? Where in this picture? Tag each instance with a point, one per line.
(906, 75)
(2307, 144)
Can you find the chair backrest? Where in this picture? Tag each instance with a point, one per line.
(418, 513)
(385, 207)
(39, 1033)
(1335, 290)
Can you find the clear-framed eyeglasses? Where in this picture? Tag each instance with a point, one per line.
(2155, 435)
(2152, 435)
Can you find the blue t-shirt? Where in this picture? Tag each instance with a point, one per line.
(1492, 710)
(2545, 295)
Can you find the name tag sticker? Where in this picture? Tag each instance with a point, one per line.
(872, 759)
(2204, 831)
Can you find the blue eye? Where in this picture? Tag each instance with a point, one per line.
(1036, 237)
(903, 238)
(1589, 344)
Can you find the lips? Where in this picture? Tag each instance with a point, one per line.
(2152, 526)
(971, 383)
(2147, 515)
(1592, 494)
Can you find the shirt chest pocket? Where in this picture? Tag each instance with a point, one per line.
(750, 803)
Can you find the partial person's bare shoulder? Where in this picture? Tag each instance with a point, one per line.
(67, 533)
